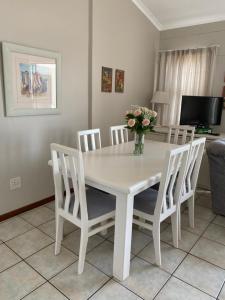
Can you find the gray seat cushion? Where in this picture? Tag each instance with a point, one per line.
(146, 201)
(98, 203)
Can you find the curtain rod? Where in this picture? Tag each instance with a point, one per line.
(171, 50)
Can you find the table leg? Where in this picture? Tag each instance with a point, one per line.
(122, 239)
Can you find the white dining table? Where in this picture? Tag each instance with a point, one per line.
(116, 170)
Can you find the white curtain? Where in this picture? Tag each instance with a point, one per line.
(184, 72)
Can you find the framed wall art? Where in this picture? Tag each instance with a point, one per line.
(119, 81)
(107, 79)
(32, 80)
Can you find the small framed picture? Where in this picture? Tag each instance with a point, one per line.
(119, 81)
(223, 92)
(107, 79)
(32, 79)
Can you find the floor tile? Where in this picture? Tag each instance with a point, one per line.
(139, 241)
(210, 251)
(216, 233)
(176, 289)
(38, 215)
(222, 294)
(45, 292)
(48, 264)
(51, 205)
(18, 281)
(79, 287)
(200, 224)
(114, 291)
(187, 241)
(29, 243)
(12, 228)
(110, 232)
(171, 257)
(72, 241)
(7, 258)
(102, 257)
(203, 213)
(219, 220)
(204, 199)
(201, 274)
(49, 228)
(145, 279)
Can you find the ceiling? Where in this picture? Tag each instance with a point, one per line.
(168, 14)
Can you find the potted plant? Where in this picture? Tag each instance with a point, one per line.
(140, 120)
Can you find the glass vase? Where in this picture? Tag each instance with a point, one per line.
(139, 143)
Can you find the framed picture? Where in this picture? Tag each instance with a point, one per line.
(107, 80)
(223, 95)
(32, 80)
(119, 81)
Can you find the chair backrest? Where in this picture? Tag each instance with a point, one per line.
(91, 140)
(118, 134)
(67, 167)
(180, 134)
(172, 179)
(193, 166)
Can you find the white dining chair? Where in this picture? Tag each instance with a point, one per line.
(118, 134)
(191, 178)
(152, 207)
(86, 209)
(180, 134)
(88, 140)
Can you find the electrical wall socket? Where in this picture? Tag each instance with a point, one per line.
(15, 183)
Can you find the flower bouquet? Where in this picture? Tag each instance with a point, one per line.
(140, 120)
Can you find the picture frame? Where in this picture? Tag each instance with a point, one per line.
(32, 80)
(106, 85)
(119, 81)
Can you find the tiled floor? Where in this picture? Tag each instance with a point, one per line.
(29, 270)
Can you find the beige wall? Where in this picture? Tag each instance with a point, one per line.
(24, 141)
(200, 36)
(123, 38)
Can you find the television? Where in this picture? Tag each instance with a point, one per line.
(201, 111)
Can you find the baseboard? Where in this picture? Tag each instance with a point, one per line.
(26, 208)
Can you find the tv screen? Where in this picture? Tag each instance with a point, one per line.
(201, 111)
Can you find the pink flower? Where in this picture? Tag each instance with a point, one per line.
(137, 113)
(145, 122)
(131, 122)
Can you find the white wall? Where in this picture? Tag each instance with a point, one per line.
(201, 36)
(24, 141)
(123, 38)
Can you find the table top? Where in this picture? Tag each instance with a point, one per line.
(116, 168)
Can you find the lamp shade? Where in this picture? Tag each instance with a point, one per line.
(161, 97)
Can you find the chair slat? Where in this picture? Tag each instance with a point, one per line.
(180, 134)
(118, 134)
(93, 136)
(93, 141)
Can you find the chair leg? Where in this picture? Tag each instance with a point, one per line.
(59, 233)
(191, 211)
(103, 232)
(83, 249)
(179, 223)
(156, 240)
(141, 220)
(175, 227)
